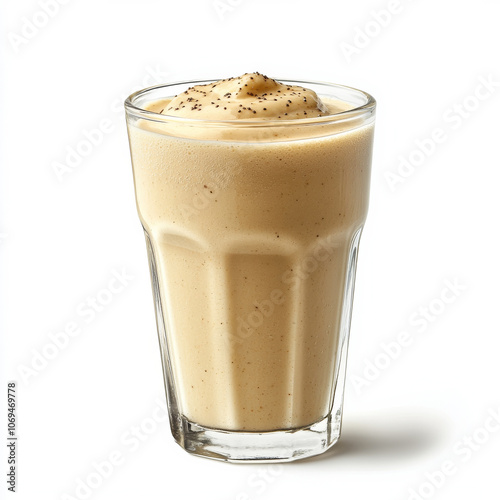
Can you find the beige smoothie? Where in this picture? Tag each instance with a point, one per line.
(251, 229)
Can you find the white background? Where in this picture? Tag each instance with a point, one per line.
(62, 238)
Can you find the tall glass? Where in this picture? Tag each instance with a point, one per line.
(252, 230)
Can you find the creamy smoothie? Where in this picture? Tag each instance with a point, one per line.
(251, 230)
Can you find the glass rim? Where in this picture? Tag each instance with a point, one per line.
(368, 108)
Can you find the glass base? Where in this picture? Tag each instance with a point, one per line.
(258, 447)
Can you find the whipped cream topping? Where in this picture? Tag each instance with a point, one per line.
(250, 96)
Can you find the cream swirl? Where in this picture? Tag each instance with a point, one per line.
(250, 96)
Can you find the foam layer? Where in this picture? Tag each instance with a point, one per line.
(250, 96)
